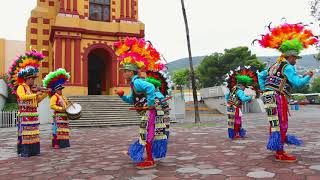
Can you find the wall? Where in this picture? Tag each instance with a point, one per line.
(214, 97)
(9, 49)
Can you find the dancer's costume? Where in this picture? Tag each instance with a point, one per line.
(247, 77)
(60, 126)
(163, 84)
(136, 54)
(22, 68)
(278, 80)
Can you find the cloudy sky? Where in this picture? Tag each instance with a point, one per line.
(214, 24)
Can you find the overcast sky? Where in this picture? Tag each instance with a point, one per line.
(214, 24)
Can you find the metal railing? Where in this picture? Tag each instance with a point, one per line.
(8, 119)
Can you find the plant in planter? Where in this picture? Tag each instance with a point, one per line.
(3, 90)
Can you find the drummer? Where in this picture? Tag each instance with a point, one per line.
(59, 103)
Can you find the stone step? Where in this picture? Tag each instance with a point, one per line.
(101, 110)
(107, 118)
(104, 124)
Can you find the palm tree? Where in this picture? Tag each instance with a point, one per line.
(193, 82)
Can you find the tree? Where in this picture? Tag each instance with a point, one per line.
(315, 12)
(315, 8)
(315, 85)
(181, 78)
(213, 68)
(193, 82)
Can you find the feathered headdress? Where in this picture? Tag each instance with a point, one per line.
(289, 39)
(161, 80)
(135, 54)
(246, 75)
(23, 67)
(55, 80)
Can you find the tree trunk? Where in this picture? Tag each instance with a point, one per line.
(194, 88)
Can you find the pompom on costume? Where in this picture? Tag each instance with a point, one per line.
(138, 55)
(58, 102)
(23, 68)
(278, 80)
(245, 76)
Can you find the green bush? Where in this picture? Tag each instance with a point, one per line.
(299, 98)
(11, 107)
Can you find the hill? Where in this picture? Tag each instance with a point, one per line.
(307, 62)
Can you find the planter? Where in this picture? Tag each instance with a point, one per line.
(3, 93)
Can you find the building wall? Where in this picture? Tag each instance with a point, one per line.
(9, 49)
(63, 31)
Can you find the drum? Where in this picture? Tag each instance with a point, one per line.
(74, 111)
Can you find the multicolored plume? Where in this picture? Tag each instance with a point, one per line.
(56, 78)
(246, 75)
(287, 37)
(139, 53)
(23, 66)
(161, 80)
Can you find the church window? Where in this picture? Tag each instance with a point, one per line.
(99, 10)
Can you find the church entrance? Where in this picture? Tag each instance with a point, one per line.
(99, 64)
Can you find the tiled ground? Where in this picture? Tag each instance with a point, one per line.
(202, 152)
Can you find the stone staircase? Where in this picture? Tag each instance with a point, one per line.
(102, 110)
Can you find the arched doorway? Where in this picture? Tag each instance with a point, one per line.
(99, 66)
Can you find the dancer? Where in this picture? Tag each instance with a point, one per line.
(58, 102)
(22, 74)
(237, 81)
(134, 55)
(278, 80)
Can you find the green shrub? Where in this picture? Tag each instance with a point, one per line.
(11, 107)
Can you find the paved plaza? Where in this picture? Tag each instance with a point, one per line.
(195, 152)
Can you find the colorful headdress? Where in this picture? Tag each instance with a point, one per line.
(22, 67)
(289, 39)
(246, 75)
(161, 80)
(135, 54)
(55, 80)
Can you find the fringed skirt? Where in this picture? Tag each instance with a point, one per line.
(28, 132)
(276, 106)
(152, 130)
(60, 130)
(234, 122)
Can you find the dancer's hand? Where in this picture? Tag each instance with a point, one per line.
(310, 73)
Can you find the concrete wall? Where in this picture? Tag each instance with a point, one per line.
(214, 97)
(9, 49)
(178, 108)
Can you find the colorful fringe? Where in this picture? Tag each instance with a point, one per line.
(274, 143)
(28, 131)
(152, 130)
(242, 132)
(231, 133)
(159, 148)
(60, 130)
(292, 140)
(136, 152)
